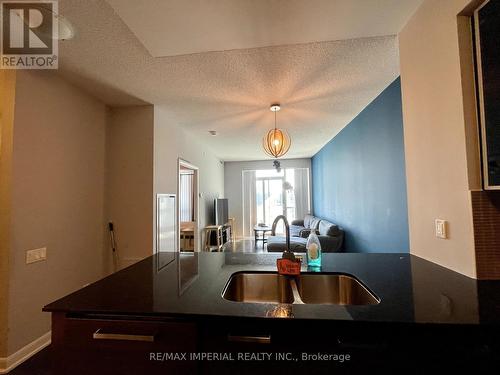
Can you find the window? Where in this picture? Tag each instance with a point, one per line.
(186, 206)
(268, 194)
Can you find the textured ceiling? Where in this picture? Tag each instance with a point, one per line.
(178, 27)
(321, 86)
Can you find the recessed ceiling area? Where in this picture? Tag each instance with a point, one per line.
(321, 86)
(178, 27)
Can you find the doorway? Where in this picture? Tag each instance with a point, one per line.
(188, 207)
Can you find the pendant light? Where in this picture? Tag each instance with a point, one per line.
(276, 142)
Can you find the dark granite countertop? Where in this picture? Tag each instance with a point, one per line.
(411, 290)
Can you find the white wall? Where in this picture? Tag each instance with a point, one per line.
(171, 142)
(233, 189)
(129, 181)
(58, 177)
(436, 122)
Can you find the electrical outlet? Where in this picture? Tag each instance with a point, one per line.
(36, 255)
(441, 228)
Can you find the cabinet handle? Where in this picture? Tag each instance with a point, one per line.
(256, 339)
(98, 335)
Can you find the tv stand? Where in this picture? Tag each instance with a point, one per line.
(216, 236)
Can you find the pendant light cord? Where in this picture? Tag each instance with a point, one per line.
(275, 131)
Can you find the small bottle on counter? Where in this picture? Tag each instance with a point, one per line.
(313, 251)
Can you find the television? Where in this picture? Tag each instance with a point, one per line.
(221, 211)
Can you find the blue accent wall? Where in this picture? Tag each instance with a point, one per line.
(359, 179)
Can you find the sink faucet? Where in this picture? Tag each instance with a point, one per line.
(288, 264)
(287, 231)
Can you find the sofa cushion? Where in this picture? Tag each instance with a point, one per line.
(278, 244)
(315, 223)
(328, 229)
(295, 230)
(307, 221)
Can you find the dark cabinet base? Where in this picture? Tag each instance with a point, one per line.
(145, 345)
(313, 347)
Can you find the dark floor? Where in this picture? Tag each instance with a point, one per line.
(245, 246)
(39, 364)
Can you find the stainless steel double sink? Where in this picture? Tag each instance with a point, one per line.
(308, 288)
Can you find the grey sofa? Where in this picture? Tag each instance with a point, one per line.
(330, 236)
(302, 228)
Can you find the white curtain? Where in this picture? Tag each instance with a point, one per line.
(186, 206)
(301, 191)
(249, 203)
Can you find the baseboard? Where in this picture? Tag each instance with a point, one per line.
(14, 360)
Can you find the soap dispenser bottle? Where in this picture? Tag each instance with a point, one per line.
(313, 251)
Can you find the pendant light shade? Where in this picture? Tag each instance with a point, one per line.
(276, 142)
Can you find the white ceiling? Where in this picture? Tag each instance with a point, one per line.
(321, 86)
(179, 27)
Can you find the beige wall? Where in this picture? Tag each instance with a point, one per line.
(129, 181)
(75, 166)
(57, 198)
(7, 95)
(233, 180)
(435, 129)
(170, 143)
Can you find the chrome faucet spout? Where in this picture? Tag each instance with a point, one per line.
(287, 230)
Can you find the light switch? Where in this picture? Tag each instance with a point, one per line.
(441, 228)
(36, 255)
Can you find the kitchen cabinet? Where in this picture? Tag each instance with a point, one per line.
(117, 345)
